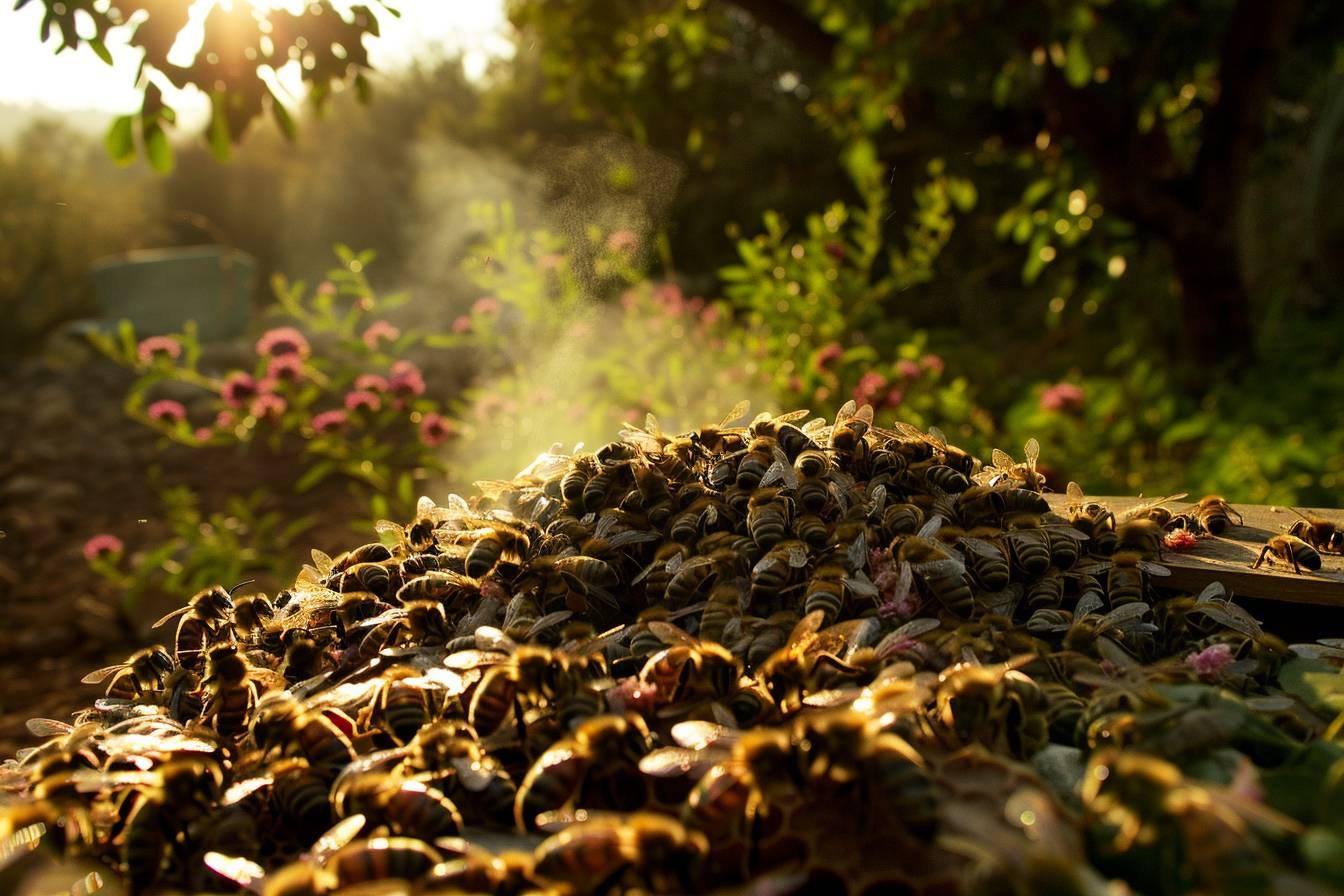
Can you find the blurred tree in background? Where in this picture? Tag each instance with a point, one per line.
(1111, 222)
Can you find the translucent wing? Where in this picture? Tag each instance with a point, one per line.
(1075, 494)
(701, 735)
(1033, 452)
(48, 727)
(99, 675)
(1088, 603)
(930, 528)
(672, 762)
(669, 634)
(342, 833)
(861, 586)
(797, 555)
(549, 621)
(178, 612)
(243, 872)
(916, 627)
(322, 561)
(857, 552)
(1153, 569)
(1002, 460)
(739, 411)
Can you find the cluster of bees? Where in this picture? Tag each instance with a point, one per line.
(779, 654)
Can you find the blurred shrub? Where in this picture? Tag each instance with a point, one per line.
(63, 204)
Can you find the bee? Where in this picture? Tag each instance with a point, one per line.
(847, 443)
(373, 578)
(175, 794)
(782, 430)
(401, 704)
(447, 755)
(494, 543)
(775, 573)
(942, 575)
(945, 478)
(379, 859)
(727, 600)
(419, 536)
(1047, 591)
(597, 767)
(810, 654)
(582, 468)
(641, 852)
(996, 706)
(1156, 511)
(813, 469)
(1128, 577)
(1142, 536)
(354, 608)
(145, 670)
(768, 517)
(447, 587)
(689, 672)
(531, 676)
(232, 694)
(981, 505)
(722, 439)
(1321, 534)
(1215, 514)
(308, 875)
(1006, 470)
(1093, 519)
(1291, 550)
(206, 613)
(469, 868)
(297, 793)
(285, 726)
(396, 805)
(374, 552)
(418, 622)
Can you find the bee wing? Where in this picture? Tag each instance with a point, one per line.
(549, 621)
(938, 437)
(1075, 494)
(1317, 651)
(387, 527)
(950, 566)
(983, 548)
(474, 777)
(807, 626)
(930, 529)
(245, 788)
(856, 555)
(1335, 643)
(1003, 603)
(1094, 568)
(1212, 591)
(846, 411)
(701, 735)
(341, 834)
(796, 554)
(99, 675)
(861, 586)
(1108, 649)
(1233, 617)
(780, 470)
(1088, 603)
(1271, 703)
(1033, 452)
(1124, 613)
(673, 762)
(178, 612)
(739, 411)
(1002, 460)
(651, 425)
(48, 727)
(916, 627)
(669, 634)
(243, 872)
(844, 637)
(424, 506)
(769, 561)
(791, 416)
(490, 638)
(1153, 569)
(1066, 532)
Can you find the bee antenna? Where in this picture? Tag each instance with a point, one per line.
(239, 585)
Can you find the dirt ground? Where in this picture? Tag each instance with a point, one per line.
(71, 466)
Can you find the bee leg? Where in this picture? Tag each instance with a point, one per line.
(1261, 558)
(1296, 568)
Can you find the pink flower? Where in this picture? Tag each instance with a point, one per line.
(870, 384)
(326, 288)
(932, 363)
(371, 382)
(671, 296)
(267, 405)
(283, 341)
(835, 249)
(711, 315)
(629, 300)
(894, 397)
(461, 324)
(622, 241)
(156, 347)
(377, 331)
(283, 368)
(550, 261)
(1180, 540)
(406, 379)
(362, 398)
(485, 305)
(1062, 397)
(795, 383)
(225, 420)
(907, 369)
(101, 546)
(237, 389)
(204, 434)
(328, 421)
(1211, 661)
(829, 352)
(435, 429)
(167, 410)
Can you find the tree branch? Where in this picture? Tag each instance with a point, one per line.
(793, 25)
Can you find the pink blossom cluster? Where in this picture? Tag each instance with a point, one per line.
(283, 341)
(1062, 397)
(155, 347)
(622, 241)
(101, 546)
(378, 332)
(1211, 661)
(1180, 540)
(166, 411)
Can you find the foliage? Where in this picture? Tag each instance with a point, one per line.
(244, 539)
(62, 206)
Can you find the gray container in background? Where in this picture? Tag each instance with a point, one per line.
(159, 290)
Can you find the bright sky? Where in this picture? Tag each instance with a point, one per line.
(31, 73)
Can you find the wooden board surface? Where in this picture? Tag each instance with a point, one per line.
(1228, 559)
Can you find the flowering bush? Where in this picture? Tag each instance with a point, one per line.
(329, 386)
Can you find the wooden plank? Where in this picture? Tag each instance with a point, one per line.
(1228, 559)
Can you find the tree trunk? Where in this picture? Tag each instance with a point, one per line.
(1215, 308)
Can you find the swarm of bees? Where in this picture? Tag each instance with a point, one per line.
(786, 654)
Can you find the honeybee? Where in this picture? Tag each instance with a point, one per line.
(418, 622)
(1127, 577)
(143, 671)
(285, 726)
(308, 875)
(1215, 514)
(597, 767)
(727, 600)
(847, 443)
(175, 794)
(1321, 534)
(206, 613)
(640, 852)
(775, 573)
(447, 587)
(811, 654)
(1156, 511)
(395, 806)
(530, 677)
(418, 537)
(582, 467)
(997, 706)
(447, 755)
(689, 672)
(782, 429)
(232, 694)
(941, 574)
(722, 439)
(768, 516)
(1142, 536)
(1093, 519)
(1290, 550)
(1004, 469)
(469, 868)
(498, 541)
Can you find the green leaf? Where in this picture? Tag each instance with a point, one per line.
(1077, 65)
(218, 134)
(157, 148)
(283, 119)
(1318, 684)
(96, 44)
(313, 475)
(120, 139)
